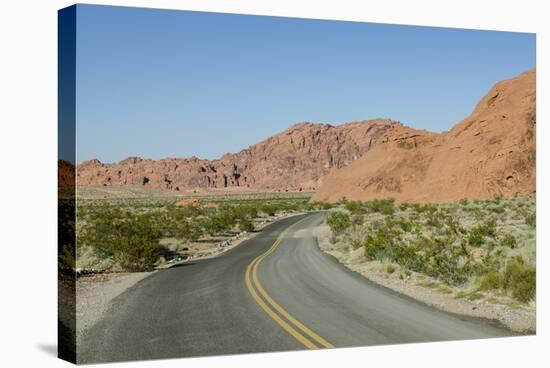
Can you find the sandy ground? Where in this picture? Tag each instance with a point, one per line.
(518, 319)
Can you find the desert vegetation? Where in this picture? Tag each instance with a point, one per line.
(480, 249)
(139, 234)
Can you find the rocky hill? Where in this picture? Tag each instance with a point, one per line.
(491, 152)
(296, 159)
(65, 174)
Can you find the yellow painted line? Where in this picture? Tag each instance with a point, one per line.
(254, 267)
(274, 316)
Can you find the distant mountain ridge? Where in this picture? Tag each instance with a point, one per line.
(491, 152)
(296, 159)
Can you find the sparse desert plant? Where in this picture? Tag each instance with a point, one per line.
(355, 207)
(338, 222)
(246, 225)
(531, 219)
(491, 281)
(357, 220)
(520, 279)
(475, 238)
(383, 206)
(132, 241)
(508, 240)
(405, 225)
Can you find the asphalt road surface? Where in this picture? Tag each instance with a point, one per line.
(274, 292)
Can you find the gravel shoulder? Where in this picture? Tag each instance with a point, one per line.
(94, 295)
(422, 288)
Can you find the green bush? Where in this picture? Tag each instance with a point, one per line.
(355, 207)
(453, 225)
(136, 253)
(531, 219)
(520, 280)
(405, 225)
(246, 225)
(463, 202)
(491, 281)
(488, 227)
(131, 240)
(509, 240)
(475, 238)
(357, 220)
(338, 222)
(383, 206)
(382, 243)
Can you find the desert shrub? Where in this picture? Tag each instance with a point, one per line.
(131, 240)
(355, 207)
(338, 222)
(409, 257)
(357, 220)
(488, 227)
(433, 219)
(424, 208)
(269, 209)
(453, 225)
(491, 281)
(445, 262)
(136, 253)
(246, 225)
(476, 235)
(356, 243)
(321, 205)
(383, 206)
(475, 238)
(509, 240)
(489, 263)
(382, 242)
(531, 219)
(405, 225)
(520, 279)
(216, 224)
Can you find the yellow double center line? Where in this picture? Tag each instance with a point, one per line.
(290, 324)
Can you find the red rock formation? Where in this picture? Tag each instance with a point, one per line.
(296, 159)
(490, 152)
(65, 174)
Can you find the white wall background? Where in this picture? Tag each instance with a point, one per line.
(28, 154)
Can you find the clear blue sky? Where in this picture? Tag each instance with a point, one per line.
(162, 83)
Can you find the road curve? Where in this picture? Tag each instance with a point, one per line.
(274, 292)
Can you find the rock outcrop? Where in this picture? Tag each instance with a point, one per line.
(491, 152)
(65, 174)
(295, 160)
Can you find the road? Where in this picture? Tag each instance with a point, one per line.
(274, 292)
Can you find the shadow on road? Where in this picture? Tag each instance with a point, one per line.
(187, 264)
